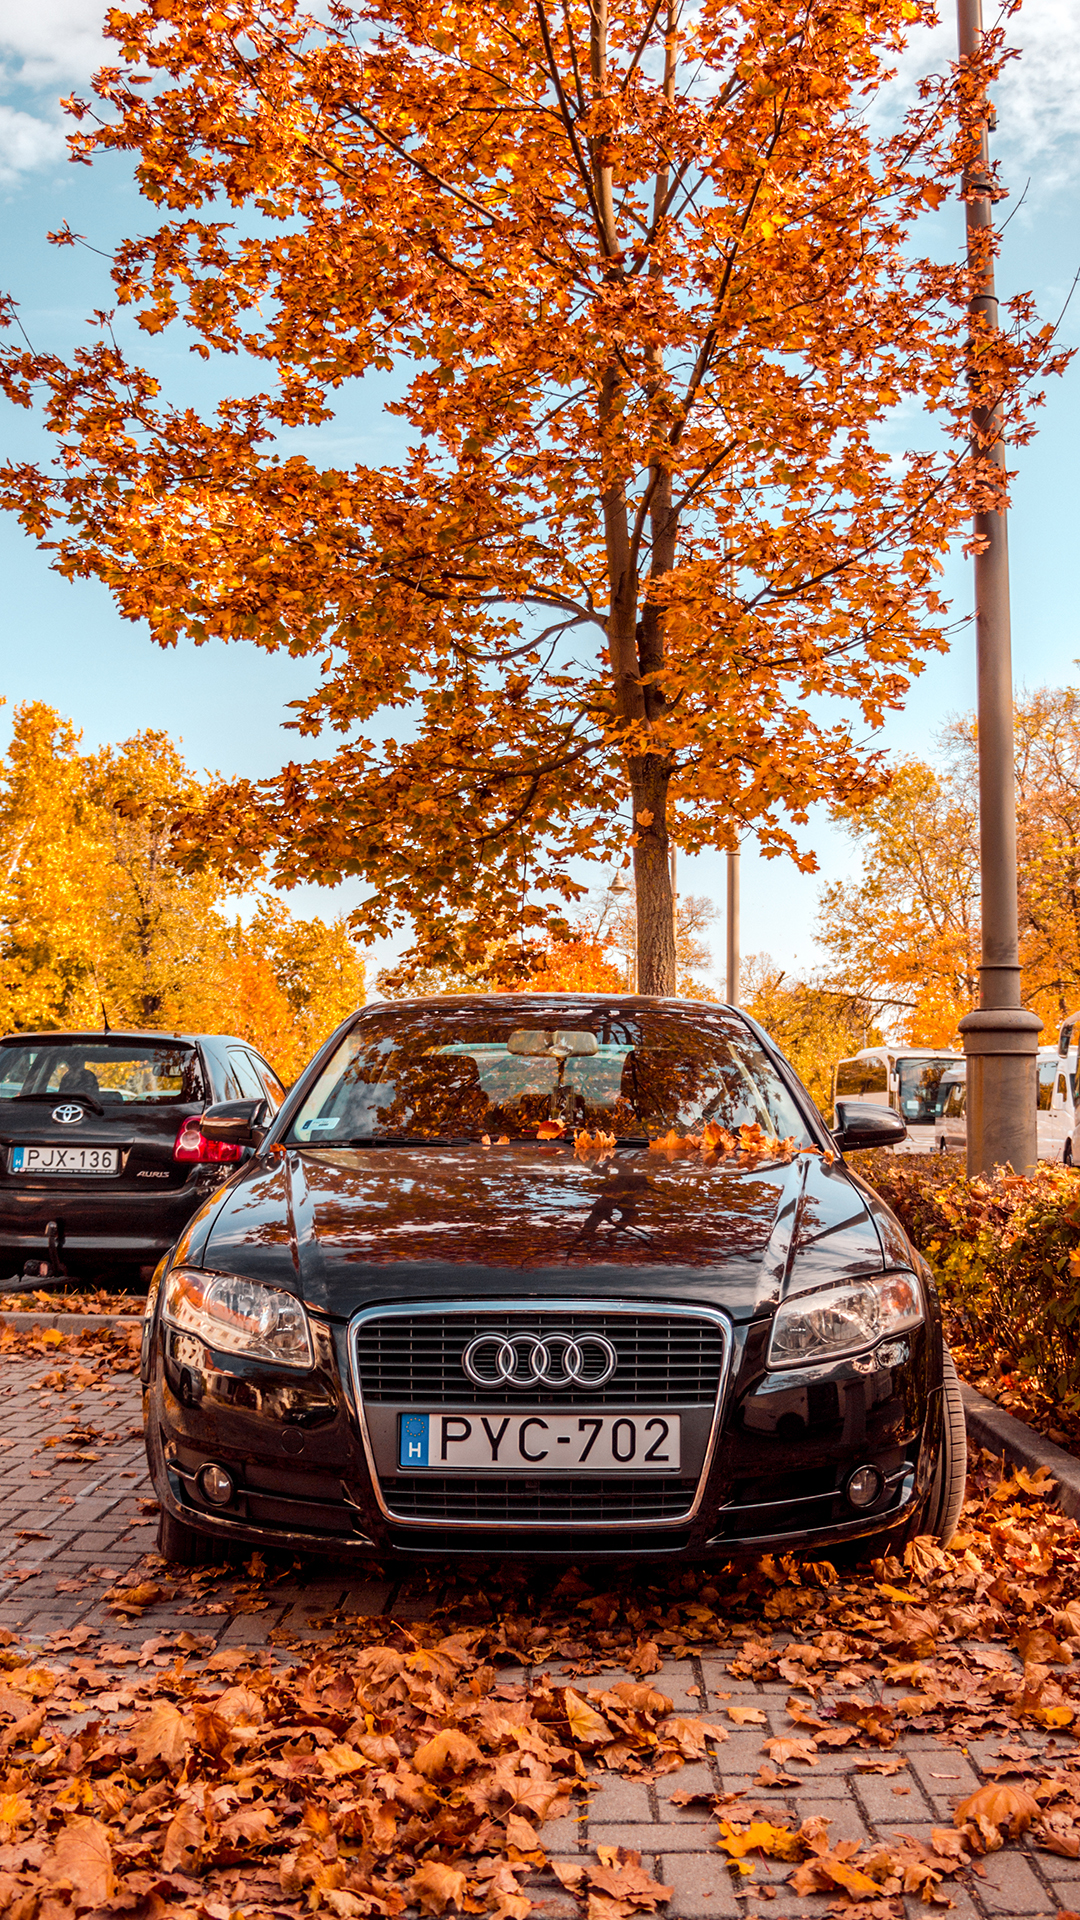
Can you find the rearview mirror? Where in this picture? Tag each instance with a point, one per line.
(242, 1123)
(527, 1041)
(572, 1041)
(861, 1125)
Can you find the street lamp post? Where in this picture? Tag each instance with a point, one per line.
(1001, 1038)
(733, 927)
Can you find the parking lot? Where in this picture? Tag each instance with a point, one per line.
(83, 1591)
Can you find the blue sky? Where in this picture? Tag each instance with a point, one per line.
(66, 644)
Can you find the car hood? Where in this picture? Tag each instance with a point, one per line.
(346, 1229)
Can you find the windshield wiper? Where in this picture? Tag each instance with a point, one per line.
(394, 1140)
(62, 1099)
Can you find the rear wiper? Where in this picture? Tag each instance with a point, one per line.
(64, 1099)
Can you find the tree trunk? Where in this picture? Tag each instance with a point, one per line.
(650, 777)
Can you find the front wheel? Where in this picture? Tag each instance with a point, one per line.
(182, 1544)
(950, 1473)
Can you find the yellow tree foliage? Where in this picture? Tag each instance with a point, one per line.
(909, 924)
(814, 1023)
(98, 921)
(595, 956)
(650, 297)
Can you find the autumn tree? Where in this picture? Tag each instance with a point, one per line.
(98, 921)
(814, 1023)
(650, 297)
(908, 923)
(594, 954)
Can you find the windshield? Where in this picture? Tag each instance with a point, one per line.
(110, 1072)
(474, 1072)
(924, 1087)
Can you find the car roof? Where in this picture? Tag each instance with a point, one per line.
(573, 1001)
(90, 1034)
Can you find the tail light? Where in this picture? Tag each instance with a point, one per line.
(190, 1144)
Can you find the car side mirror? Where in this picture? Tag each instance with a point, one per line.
(861, 1125)
(240, 1123)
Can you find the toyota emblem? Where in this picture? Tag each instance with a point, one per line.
(68, 1116)
(554, 1360)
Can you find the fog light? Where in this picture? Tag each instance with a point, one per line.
(217, 1485)
(864, 1486)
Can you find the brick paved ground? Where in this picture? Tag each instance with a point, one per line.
(74, 1527)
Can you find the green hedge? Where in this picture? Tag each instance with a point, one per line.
(1006, 1256)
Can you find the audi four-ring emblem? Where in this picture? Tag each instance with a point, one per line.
(554, 1360)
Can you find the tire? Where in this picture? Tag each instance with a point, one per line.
(950, 1474)
(1066, 1154)
(182, 1544)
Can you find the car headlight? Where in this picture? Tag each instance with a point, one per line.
(839, 1320)
(239, 1316)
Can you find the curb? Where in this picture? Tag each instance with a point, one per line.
(69, 1322)
(990, 1426)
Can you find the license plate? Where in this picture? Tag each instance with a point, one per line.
(539, 1442)
(64, 1160)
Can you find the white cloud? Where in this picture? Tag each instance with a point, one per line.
(27, 142)
(1038, 95)
(51, 44)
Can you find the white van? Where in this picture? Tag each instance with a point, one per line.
(1062, 1127)
(914, 1081)
(1055, 1118)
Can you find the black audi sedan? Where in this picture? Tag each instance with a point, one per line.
(562, 1276)
(102, 1159)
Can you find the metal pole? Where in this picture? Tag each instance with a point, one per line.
(1001, 1039)
(733, 927)
(674, 910)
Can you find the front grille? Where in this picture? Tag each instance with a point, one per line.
(465, 1500)
(663, 1360)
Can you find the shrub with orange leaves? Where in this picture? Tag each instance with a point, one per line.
(1005, 1257)
(650, 297)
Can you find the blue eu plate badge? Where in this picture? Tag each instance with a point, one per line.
(413, 1440)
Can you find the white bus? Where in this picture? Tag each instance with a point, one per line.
(914, 1081)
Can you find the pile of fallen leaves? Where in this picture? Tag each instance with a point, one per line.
(400, 1767)
(113, 1348)
(49, 1300)
(747, 1146)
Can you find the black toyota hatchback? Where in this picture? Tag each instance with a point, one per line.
(102, 1160)
(560, 1276)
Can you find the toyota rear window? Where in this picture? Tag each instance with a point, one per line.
(472, 1072)
(110, 1072)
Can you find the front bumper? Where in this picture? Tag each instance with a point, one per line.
(308, 1472)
